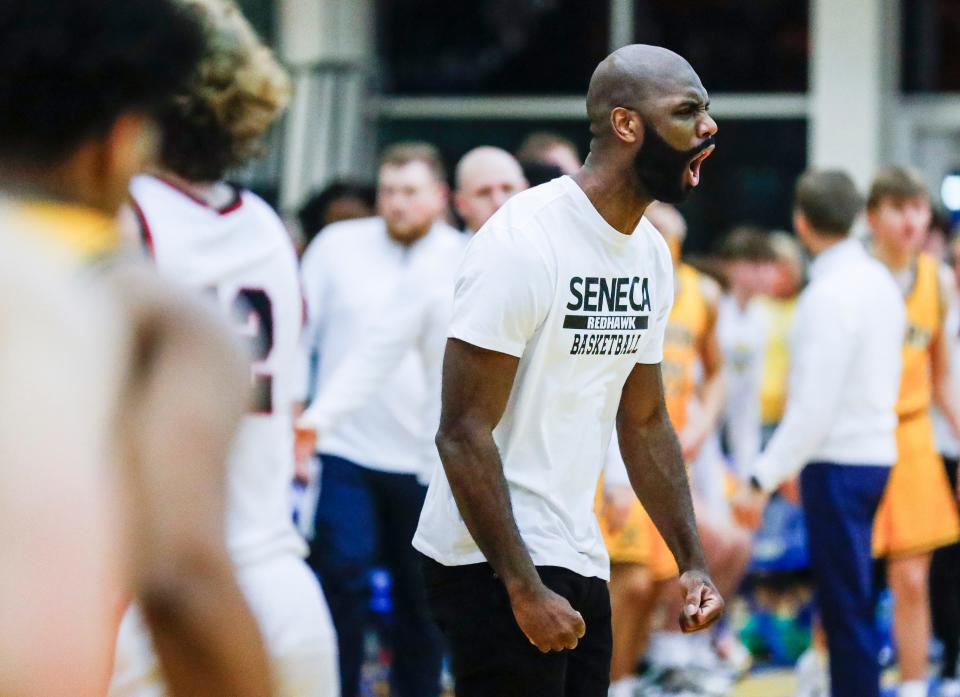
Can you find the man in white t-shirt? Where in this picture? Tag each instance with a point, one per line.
(371, 455)
(560, 308)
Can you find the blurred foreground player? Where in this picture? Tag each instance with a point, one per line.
(917, 514)
(229, 244)
(50, 629)
(838, 426)
(561, 305)
(78, 82)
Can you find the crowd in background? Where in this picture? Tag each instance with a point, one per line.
(736, 388)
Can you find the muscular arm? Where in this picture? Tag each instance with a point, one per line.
(655, 466)
(476, 386)
(184, 399)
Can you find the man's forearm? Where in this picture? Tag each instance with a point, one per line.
(475, 473)
(659, 477)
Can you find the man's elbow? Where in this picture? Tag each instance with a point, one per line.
(456, 436)
(177, 588)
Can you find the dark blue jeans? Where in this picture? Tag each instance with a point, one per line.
(839, 503)
(365, 517)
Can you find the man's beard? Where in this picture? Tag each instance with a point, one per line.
(661, 167)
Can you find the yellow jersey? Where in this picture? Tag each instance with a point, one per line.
(82, 232)
(923, 325)
(776, 358)
(684, 336)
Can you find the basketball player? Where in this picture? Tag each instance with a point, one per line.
(50, 629)
(560, 310)
(641, 565)
(917, 514)
(79, 80)
(229, 244)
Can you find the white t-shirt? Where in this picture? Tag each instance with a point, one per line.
(352, 275)
(548, 280)
(242, 257)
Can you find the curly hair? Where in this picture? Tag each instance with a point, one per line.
(235, 95)
(70, 68)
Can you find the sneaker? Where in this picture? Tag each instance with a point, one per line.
(948, 687)
(813, 678)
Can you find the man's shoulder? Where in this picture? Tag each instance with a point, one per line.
(343, 237)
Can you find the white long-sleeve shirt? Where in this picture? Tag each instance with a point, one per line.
(353, 280)
(416, 320)
(844, 368)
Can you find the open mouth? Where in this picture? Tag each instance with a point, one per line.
(692, 175)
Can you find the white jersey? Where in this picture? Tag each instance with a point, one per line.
(549, 281)
(243, 257)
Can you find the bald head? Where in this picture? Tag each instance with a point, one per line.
(485, 178)
(633, 77)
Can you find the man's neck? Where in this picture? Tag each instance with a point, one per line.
(893, 259)
(410, 239)
(818, 244)
(614, 193)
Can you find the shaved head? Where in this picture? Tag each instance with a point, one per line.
(485, 178)
(479, 161)
(633, 77)
(647, 107)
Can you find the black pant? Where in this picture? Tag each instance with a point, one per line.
(945, 593)
(364, 517)
(491, 655)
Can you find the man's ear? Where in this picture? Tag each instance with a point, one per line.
(627, 125)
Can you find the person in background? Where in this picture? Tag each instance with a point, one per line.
(747, 262)
(227, 245)
(945, 566)
(779, 306)
(418, 318)
(371, 460)
(551, 149)
(485, 178)
(838, 428)
(340, 200)
(643, 573)
(918, 514)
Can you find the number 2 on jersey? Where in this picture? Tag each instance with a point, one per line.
(253, 313)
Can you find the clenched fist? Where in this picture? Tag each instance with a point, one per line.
(547, 619)
(702, 604)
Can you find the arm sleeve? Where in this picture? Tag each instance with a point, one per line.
(503, 292)
(357, 378)
(312, 277)
(825, 347)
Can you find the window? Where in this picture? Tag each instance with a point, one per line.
(490, 46)
(734, 45)
(931, 46)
